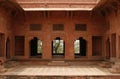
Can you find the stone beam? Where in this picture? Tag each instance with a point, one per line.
(48, 5)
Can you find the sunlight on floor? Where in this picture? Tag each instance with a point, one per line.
(56, 70)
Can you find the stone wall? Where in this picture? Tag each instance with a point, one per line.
(95, 27)
(5, 31)
(113, 33)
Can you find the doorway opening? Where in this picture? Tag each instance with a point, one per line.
(108, 49)
(2, 41)
(8, 48)
(113, 44)
(58, 47)
(80, 47)
(35, 47)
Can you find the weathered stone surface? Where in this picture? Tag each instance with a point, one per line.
(106, 64)
(115, 68)
(10, 64)
(2, 77)
(2, 69)
(58, 63)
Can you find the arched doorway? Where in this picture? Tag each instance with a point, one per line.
(58, 47)
(35, 47)
(8, 48)
(108, 49)
(80, 47)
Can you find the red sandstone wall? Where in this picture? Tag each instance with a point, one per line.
(95, 24)
(4, 22)
(95, 27)
(114, 25)
(5, 30)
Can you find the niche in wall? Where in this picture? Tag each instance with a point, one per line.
(2, 43)
(108, 49)
(19, 45)
(58, 27)
(8, 48)
(113, 44)
(97, 46)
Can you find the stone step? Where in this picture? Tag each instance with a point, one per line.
(106, 64)
(2, 69)
(58, 63)
(11, 64)
(115, 68)
(59, 77)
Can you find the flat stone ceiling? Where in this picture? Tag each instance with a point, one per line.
(51, 5)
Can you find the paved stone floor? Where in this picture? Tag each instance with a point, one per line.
(58, 71)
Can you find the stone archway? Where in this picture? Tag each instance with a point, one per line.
(80, 47)
(58, 47)
(8, 48)
(35, 47)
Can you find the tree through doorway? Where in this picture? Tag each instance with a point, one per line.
(58, 47)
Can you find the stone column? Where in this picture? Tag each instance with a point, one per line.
(89, 47)
(27, 47)
(69, 49)
(46, 49)
(110, 48)
(117, 47)
(104, 45)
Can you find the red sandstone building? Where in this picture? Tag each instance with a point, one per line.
(85, 29)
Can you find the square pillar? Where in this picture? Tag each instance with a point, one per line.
(27, 47)
(117, 47)
(46, 41)
(46, 49)
(89, 47)
(104, 45)
(69, 49)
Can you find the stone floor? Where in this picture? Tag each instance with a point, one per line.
(58, 71)
(75, 71)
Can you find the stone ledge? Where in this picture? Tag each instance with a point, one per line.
(59, 77)
(115, 68)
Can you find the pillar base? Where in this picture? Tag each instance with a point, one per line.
(116, 67)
